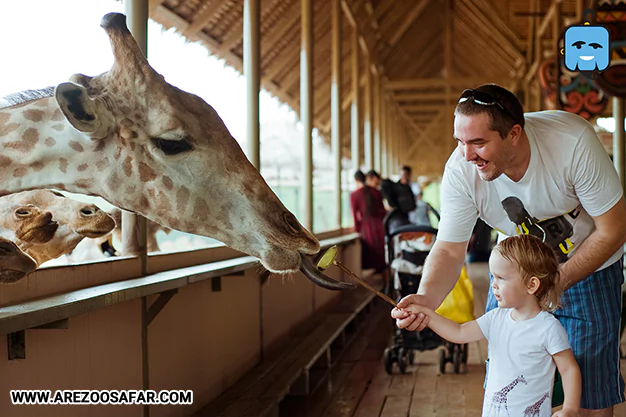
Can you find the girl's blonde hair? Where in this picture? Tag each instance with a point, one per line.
(534, 259)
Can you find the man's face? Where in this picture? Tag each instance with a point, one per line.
(483, 147)
(372, 182)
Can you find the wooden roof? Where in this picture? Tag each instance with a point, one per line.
(406, 40)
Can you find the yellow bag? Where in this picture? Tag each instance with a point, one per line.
(458, 306)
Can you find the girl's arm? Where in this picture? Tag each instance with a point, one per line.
(570, 374)
(448, 329)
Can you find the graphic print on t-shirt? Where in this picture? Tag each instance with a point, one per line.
(555, 232)
(533, 410)
(499, 398)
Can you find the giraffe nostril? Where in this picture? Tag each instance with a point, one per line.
(23, 212)
(292, 222)
(87, 211)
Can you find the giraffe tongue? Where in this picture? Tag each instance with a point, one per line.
(318, 278)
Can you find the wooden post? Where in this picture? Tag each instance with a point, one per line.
(384, 134)
(306, 110)
(134, 227)
(618, 139)
(354, 123)
(376, 124)
(251, 70)
(367, 115)
(538, 55)
(335, 103)
(448, 67)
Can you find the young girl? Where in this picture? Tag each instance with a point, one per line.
(525, 340)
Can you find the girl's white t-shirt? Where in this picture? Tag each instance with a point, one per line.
(570, 178)
(521, 369)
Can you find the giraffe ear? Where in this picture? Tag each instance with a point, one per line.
(84, 113)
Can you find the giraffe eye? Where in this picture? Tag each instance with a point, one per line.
(172, 147)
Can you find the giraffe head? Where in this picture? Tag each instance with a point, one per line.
(27, 223)
(85, 219)
(76, 220)
(166, 154)
(14, 263)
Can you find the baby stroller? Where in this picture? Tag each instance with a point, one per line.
(407, 246)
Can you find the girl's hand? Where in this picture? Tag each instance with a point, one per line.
(566, 412)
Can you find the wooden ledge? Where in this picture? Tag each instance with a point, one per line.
(50, 309)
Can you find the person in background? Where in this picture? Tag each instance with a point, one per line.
(372, 179)
(368, 212)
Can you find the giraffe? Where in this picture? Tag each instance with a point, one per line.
(27, 224)
(76, 220)
(500, 397)
(14, 263)
(533, 410)
(147, 147)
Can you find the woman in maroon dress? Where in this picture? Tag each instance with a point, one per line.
(369, 212)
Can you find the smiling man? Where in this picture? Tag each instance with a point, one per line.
(545, 174)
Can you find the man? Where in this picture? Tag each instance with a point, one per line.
(372, 179)
(545, 174)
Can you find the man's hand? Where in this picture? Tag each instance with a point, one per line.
(408, 320)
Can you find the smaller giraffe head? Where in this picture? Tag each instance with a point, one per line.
(27, 223)
(85, 219)
(76, 220)
(166, 154)
(14, 263)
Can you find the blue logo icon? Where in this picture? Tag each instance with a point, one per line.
(586, 48)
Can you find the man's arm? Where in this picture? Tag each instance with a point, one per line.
(604, 241)
(570, 374)
(441, 272)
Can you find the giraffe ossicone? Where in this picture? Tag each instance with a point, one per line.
(150, 148)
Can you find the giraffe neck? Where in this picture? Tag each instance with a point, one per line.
(40, 149)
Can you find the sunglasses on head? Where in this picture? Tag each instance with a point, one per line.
(484, 99)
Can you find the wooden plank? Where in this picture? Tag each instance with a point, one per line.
(396, 407)
(202, 18)
(408, 21)
(348, 396)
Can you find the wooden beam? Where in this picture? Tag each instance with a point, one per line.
(381, 9)
(489, 19)
(203, 17)
(411, 84)
(410, 18)
(252, 72)
(549, 17)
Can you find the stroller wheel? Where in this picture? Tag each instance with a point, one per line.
(388, 358)
(403, 359)
(411, 356)
(442, 361)
(457, 357)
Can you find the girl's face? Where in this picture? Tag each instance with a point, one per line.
(508, 286)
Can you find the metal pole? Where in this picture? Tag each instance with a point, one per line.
(306, 110)
(335, 103)
(251, 70)
(376, 123)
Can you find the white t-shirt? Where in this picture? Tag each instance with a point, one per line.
(521, 368)
(570, 178)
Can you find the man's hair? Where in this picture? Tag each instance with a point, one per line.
(501, 121)
(359, 176)
(372, 174)
(406, 168)
(534, 259)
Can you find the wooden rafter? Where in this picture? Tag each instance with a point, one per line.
(409, 19)
(410, 84)
(488, 19)
(203, 17)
